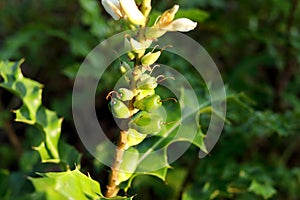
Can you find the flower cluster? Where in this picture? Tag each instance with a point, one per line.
(140, 103)
(129, 11)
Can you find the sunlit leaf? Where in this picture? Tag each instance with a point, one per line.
(33, 112)
(66, 185)
(70, 185)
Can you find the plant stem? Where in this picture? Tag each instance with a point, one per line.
(112, 187)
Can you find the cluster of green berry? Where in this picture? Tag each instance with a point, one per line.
(138, 104)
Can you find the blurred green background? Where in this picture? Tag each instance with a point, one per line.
(255, 44)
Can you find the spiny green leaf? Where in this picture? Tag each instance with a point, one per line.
(32, 111)
(67, 185)
(131, 162)
(184, 129)
(161, 174)
(70, 185)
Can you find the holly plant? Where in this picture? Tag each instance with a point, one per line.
(137, 104)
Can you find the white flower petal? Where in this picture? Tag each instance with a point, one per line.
(154, 32)
(139, 47)
(113, 8)
(146, 43)
(174, 10)
(133, 13)
(181, 24)
(136, 46)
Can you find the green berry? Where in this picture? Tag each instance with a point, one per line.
(125, 94)
(131, 55)
(134, 138)
(146, 82)
(144, 93)
(146, 123)
(119, 109)
(149, 103)
(150, 58)
(124, 67)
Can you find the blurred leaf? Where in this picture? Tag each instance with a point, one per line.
(28, 160)
(196, 15)
(13, 185)
(71, 71)
(264, 190)
(4, 182)
(82, 46)
(175, 179)
(69, 156)
(92, 17)
(7, 156)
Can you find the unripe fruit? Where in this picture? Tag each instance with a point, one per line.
(119, 109)
(144, 93)
(130, 55)
(125, 94)
(146, 82)
(134, 138)
(146, 123)
(150, 58)
(149, 103)
(124, 67)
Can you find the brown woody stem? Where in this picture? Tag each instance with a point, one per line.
(112, 188)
